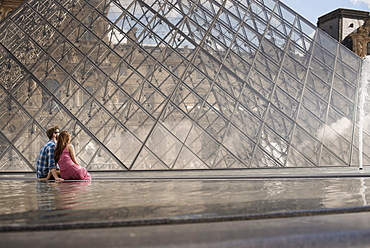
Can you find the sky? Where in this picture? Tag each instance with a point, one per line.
(313, 9)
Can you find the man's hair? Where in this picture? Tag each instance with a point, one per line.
(51, 131)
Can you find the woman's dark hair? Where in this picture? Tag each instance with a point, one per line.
(63, 140)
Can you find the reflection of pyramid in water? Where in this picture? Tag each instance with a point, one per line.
(175, 85)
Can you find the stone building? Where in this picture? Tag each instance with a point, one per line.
(350, 27)
(6, 6)
(359, 40)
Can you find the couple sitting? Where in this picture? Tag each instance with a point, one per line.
(59, 151)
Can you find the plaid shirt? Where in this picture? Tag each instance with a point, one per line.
(45, 161)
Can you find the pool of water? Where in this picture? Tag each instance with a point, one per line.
(32, 202)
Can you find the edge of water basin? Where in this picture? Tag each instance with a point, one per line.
(187, 219)
(250, 173)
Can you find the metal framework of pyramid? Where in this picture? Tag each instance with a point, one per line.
(169, 84)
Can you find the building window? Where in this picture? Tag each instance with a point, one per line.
(149, 69)
(175, 70)
(86, 96)
(52, 85)
(123, 71)
(149, 104)
(122, 98)
(368, 49)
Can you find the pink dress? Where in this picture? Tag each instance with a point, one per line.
(70, 170)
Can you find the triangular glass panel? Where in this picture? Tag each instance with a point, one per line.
(14, 161)
(297, 159)
(306, 145)
(329, 159)
(147, 161)
(188, 160)
(224, 160)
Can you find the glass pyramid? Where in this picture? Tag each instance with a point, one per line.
(168, 85)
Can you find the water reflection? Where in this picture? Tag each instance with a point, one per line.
(348, 193)
(46, 195)
(62, 195)
(362, 191)
(70, 201)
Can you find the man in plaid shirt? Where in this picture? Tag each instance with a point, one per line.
(45, 163)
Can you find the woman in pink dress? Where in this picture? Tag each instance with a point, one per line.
(65, 156)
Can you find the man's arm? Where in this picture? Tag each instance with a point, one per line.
(52, 166)
(55, 175)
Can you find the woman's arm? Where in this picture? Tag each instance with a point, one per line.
(71, 150)
(45, 178)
